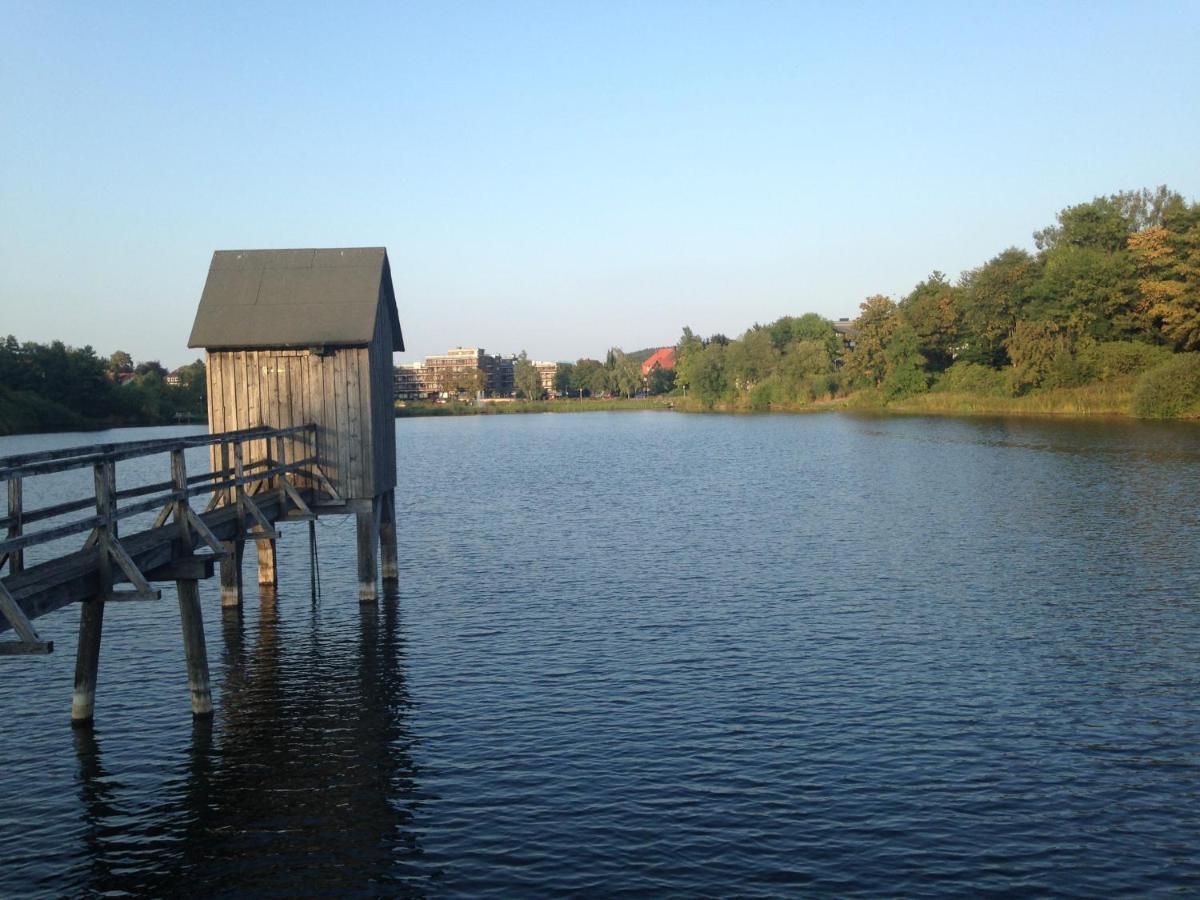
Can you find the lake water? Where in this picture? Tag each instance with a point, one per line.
(667, 655)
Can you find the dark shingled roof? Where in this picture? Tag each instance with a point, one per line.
(295, 298)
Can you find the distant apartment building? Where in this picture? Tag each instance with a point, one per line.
(547, 371)
(410, 382)
(461, 371)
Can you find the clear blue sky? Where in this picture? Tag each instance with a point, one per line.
(563, 177)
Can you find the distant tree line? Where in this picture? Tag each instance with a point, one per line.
(1113, 290)
(620, 375)
(53, 386)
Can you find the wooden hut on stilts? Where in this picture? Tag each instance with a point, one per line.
(296, 337)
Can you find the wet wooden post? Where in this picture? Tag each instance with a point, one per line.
(16, 558)
(91, 619)
(387, 537)
(190, 617)
(231, 565)
(266, 563)
(368, 536)
(231, 572)
(193, 646)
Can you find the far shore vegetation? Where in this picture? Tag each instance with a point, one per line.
(52, 387)
(1102, 319)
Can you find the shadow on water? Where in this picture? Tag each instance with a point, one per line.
(304, 783)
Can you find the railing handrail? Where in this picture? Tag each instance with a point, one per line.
(225, 479)
(51, 461)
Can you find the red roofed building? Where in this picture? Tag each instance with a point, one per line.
(664, 358)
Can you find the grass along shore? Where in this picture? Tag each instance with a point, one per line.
(1103, 399)
(561, 405)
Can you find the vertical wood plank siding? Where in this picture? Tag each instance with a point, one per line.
(347, 393)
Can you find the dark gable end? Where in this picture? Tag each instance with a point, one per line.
(257, 299)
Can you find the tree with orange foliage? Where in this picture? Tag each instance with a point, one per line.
(1167, 257)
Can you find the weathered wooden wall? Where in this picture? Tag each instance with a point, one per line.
(347, 393)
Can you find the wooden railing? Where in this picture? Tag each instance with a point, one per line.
(232, 482)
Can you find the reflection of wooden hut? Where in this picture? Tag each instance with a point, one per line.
(306, 336)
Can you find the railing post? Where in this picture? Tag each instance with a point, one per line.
(180, 485)
(190, 617)
(223, 456)
(16, 558)
(239, 472)
(281, 460)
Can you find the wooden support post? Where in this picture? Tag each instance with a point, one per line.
(16, 558)
(193, 647)
(368, 537)
(87, 661)
(231, 572)
(91, 617)
(387, 537)
(266, 563)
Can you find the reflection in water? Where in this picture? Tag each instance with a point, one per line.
(303, 784)
(97, 794)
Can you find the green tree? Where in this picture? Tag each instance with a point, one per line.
(905, 366)
(152, 365)
(564, 377)
(687, 352)
(588, 377)
(808, 327)
(527, 379)
(751, 359)
(120, 361)
(1088, 291)
(934, 312)
(660, 380)
(708, 381)
(876, 322)
(1034, 347)
(993, 297)
(624, 373)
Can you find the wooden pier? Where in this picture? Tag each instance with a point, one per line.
(299, 350)
(245, 502)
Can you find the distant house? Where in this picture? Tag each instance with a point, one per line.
(848, 332)
(663, 358)
(175, 378)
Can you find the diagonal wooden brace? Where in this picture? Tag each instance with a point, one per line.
(142, 589)
(263, 522)
(206, 535)
(30, 642)
(328, 487)
(163, 514)
(295, 497)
